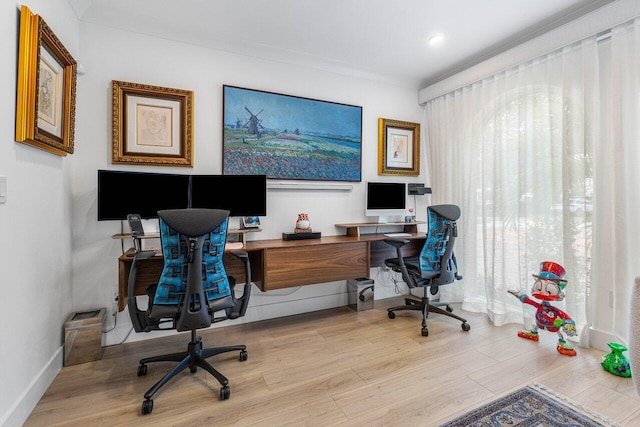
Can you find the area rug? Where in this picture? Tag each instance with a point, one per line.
(533, 405)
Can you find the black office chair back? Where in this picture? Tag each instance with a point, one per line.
(186, 294)
(437, 260)
(193, 243)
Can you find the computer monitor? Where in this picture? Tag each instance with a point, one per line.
(242, 195)
(386, 200)
(122, 193)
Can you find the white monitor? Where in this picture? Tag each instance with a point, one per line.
(387, 201)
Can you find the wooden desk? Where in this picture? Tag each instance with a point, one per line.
(278, 264)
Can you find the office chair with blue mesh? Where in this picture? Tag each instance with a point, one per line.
(192, 288)
(435, 266)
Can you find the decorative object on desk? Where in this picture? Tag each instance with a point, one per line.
(303, 225)
(411, 217)
(615, 362)
(46, 88)
(398, 147)
(151, 125)
(549, 286)
(533, 405)
(250, 222)
(289, 137)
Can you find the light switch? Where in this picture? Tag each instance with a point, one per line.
(3, 189)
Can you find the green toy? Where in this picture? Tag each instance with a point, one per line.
(615, 362)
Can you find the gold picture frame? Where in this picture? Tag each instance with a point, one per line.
(151, 125)
(46, 88)
(398, 147)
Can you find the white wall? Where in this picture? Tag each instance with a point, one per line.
(57, 259)
(35, 234)
(110, 54)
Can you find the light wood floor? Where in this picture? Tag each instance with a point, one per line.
(335, 367)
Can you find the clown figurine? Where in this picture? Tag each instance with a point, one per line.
(549, 286)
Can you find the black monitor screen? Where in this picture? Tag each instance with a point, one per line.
(243, 195)
(122, 193)
(386, 196)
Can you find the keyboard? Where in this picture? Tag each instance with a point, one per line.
(397, 234)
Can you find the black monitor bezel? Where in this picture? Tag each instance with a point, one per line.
(242, 195)
(245, 194)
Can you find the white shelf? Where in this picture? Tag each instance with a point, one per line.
(308, 186)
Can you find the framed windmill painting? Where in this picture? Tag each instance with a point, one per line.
(290, 137)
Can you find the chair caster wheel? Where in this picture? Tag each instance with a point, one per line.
(147, 407)
(466, 326)
(425, 332)
(142, 371)
(193, 370)
(243, 356)
(391, 315)
(225, 392)
(449, 309)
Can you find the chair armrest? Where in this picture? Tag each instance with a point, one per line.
(398, 244)
(136, 315)
(244, 299)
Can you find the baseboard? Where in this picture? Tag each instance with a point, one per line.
(599, 339)
(27, 401)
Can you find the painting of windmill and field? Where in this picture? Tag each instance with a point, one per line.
(288, 137)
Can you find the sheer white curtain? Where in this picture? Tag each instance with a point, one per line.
(515, 151)
(617, 215)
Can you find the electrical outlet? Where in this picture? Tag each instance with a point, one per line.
(114, 305)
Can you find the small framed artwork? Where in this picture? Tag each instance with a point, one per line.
(251, 222)
(151, 125)
(46, 88)
(398, 147)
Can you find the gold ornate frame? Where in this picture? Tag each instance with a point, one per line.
(151, 125)
(398, 147)
(46, 95)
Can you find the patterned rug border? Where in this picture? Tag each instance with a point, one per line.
(478, 413)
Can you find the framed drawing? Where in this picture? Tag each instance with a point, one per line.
(151, 125)
(398, 147)
(289, 137)
(46, 88)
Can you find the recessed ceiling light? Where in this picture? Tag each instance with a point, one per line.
(436, 40)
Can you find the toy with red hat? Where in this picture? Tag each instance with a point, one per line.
(549, 286)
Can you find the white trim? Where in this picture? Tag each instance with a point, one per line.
(598, 339)
(308, 186)
(591, 24)
(27, 401)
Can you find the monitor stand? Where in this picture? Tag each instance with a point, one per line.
(388, 219)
